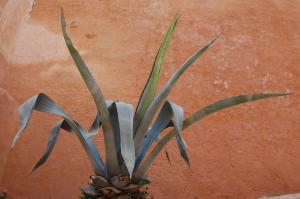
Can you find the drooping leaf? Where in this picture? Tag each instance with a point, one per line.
(169, 112)
(162, 120)
(96, 124)
(110, 146)
(93, 130)
(43, 103)
(177, 121)
(151, 85)
(162, 95)
(51, 143)
(182, 148)
(222, 104)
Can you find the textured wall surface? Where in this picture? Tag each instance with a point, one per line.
(248, 151)
(9, 116)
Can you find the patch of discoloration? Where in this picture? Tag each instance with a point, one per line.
(289, 196)
(40, 46)
(23, 42)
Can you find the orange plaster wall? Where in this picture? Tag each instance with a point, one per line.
(244, 152)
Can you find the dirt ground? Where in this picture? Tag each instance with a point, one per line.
(249, 151)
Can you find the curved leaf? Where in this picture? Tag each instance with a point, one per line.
(115, 122)
(64, 125)
(162, 120)
(162, 95)
(151, 85)
(222, 104)
(110, 147)
(95, 125)
(51, 143)
(178, 122)
(169, 112)
(54, 134)
(43, 103)
(93, 130)
(125, 117)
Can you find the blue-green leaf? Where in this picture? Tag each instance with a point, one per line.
(222, 104)
(109, 140)
(125, 117)
(43, 103)
(162, 95)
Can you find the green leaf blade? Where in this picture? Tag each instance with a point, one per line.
(152, 82)
(163, 94)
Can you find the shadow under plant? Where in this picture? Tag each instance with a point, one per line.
(3, 195)
(128, 133)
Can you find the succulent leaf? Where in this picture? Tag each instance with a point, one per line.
(177, 121)
(162, 120)
(127, 136)
(51, 143)
(162, 95)
(170, 112)
(151, 85)
(125, 117)
(217, 106)
(43, 103)
(97, 121)
(109, 140)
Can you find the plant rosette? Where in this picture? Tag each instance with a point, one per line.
(132, 138)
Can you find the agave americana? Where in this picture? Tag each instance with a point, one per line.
(128, 133)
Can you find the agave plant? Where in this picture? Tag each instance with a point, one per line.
(128, 134)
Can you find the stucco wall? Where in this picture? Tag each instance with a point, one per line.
(245, 152)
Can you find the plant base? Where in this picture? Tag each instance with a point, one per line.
(118, 187)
